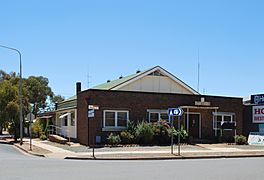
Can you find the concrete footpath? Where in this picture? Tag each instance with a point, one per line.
(76, 151)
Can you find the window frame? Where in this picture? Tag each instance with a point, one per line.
(159, 112)
(115, 127)
(73, 118)
(222, 115)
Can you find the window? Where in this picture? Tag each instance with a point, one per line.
(72, 118)
(220, 118)
(153, 117)
(65, 120)
(115, 119)
(157, 115)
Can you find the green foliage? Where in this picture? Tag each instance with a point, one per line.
(43, 137)
(37, 128)
(131, 127)
(9, 103)
(39, 91)
(240, 140)
(182, 132)
(35, 90)
(113, 140)
(144, 133)
(161, 133)
(127, 137)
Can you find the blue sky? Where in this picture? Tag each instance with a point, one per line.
(64, 40)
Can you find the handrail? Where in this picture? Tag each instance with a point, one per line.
(58, 131)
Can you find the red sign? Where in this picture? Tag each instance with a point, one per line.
(258, 114)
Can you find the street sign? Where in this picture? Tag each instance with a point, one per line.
(95, 107)
(30, 117)
(91, 113)
(175, 111)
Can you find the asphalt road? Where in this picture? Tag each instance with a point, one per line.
(16, 165)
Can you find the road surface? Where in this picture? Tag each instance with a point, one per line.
(16, 165)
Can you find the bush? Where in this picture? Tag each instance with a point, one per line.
(161, 132)
(240, 140)
(43, 137)
(113, 140)
(127, 137)
(37, 128)
(131, 127)
(144, 133)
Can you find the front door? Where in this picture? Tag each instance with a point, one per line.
(194, 125)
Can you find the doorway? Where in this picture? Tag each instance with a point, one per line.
(194, 125)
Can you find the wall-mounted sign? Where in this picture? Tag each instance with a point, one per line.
(91, 113)
(257, 99)
(258, 114)
(95, 107)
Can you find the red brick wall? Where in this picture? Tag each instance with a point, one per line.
(137, 104)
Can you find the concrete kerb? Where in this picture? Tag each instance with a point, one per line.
(29, 152)
(166, 158)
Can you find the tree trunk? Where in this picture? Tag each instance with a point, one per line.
(1, 130)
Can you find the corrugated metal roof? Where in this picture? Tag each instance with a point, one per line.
(114, 83)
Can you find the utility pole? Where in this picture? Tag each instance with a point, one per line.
(20, 92)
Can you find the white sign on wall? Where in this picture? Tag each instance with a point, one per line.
(258, 114)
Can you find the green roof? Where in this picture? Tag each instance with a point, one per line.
(71, 98)
(68, 103)
(114, 83)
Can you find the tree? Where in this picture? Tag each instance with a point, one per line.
(39, 92)
(9, 103)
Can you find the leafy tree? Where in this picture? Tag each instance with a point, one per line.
(35, 91)
(9, 104)
(58, 98)
(39, 91)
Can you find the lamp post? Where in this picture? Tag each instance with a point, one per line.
(20, 92)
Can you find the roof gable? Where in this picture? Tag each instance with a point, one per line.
(123, 83)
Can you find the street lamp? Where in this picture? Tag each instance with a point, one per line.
(20, 92)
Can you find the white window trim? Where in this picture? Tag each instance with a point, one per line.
(223, 114)
(114, 128)
(159, 111)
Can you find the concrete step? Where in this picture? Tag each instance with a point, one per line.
(57, 139)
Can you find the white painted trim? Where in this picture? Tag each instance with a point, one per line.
(166, 73)
(116, 127)
(159, 111)
(223, 114)
(200, 122)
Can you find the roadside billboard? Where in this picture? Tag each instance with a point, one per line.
(258, 114)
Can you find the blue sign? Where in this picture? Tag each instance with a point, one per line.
(175, 111)
(257, 99)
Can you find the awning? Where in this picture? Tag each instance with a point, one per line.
(45, 117)
(62, 116)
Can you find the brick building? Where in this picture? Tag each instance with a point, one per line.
(146, 96)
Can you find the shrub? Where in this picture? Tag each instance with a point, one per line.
(113, 140)
(131, 127)
(161, 132)
(144, 133)
(240, 140)
(127, 137)
(37, 128)
(43, 137)
(175, 132)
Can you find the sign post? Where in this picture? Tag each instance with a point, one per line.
(175, 112)
(30, 117)
(91, 112)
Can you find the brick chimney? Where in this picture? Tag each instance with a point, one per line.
(78, 87)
